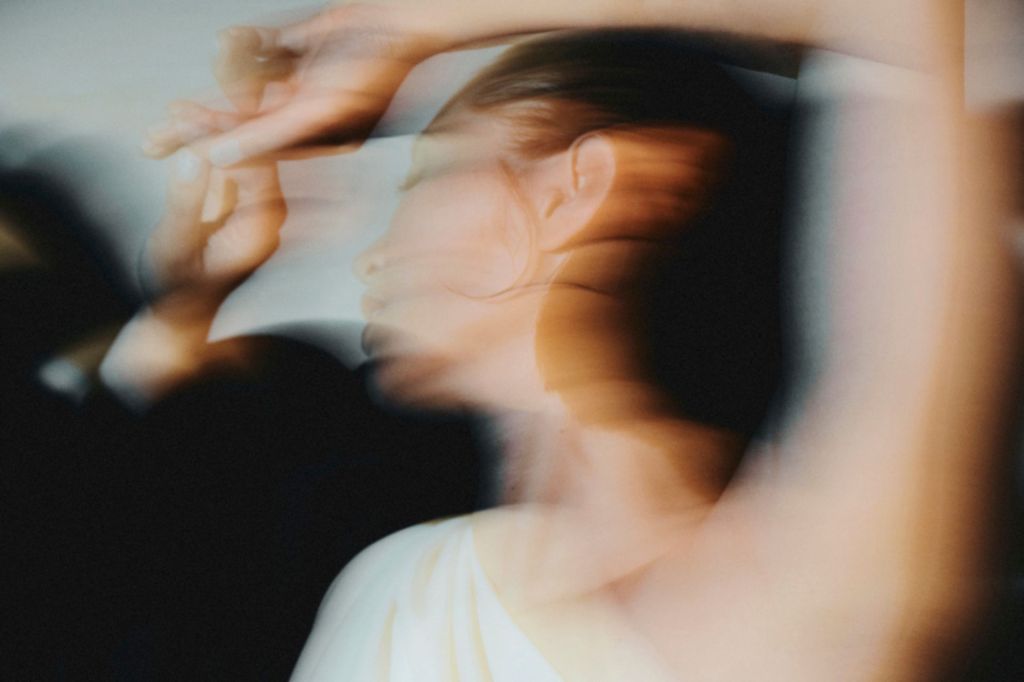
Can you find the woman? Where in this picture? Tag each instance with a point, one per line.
(509, 282)
(636, 557)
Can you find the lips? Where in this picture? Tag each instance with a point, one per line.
(381, 342)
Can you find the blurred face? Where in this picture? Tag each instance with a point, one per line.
(455, 288)
(452, 289)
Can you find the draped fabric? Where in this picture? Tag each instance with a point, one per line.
(417, 607)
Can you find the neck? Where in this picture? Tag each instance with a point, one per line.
(594, 505)
(648, 467)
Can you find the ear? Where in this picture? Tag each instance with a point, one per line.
(576, 185)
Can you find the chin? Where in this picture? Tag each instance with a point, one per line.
(415, 383)
(404, 374)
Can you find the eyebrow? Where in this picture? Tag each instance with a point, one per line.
(418, 170)
(415, 172)
(410, 180)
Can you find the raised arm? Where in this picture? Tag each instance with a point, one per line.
(891, 470)
(874, 534)
(874, 28)
(337, 72)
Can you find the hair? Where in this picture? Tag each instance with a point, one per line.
(715, 327)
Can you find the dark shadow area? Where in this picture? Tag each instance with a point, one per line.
(194, 541)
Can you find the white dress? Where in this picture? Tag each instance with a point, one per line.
(417, 606)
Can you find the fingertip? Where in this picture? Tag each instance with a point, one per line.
(162, 138)
(157, 149)
(225, 152)
(246, 37)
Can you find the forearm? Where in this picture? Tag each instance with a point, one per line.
(894, 32)
(162, 347)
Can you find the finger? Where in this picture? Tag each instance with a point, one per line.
(271, 45)
(207, 117)
(330, 121)
(168, 137)
(250, 234)
(187, 189)
(248, 59)
(221, 197)
(187, 122)
(239, 189)
(300, 36)
(249, 189)
(246, 241)
(173, 246)
(294, 38)
(257, 183)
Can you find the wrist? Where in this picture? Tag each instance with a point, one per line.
(150, 356)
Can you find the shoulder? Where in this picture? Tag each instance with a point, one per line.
(379, 604)
(415, 606)
(388, 559)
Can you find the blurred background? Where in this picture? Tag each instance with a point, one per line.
(194, 539)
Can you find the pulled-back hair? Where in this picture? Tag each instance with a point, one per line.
(606, 79)
(714, 324)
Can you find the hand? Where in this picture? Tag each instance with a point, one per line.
(307, 88)
(218, 227)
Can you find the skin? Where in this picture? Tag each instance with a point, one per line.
(444, 318)
(861, 554)
(598, 498)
